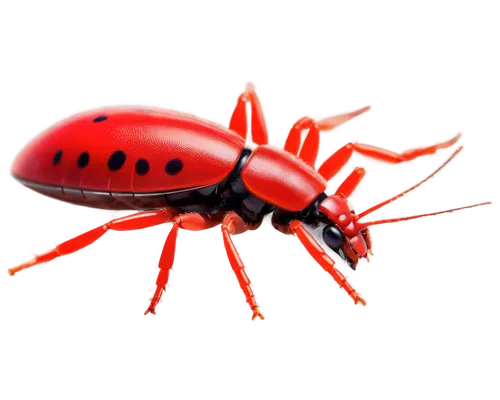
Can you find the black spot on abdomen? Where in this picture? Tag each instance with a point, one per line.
(116, 160)
(83, 160)
(57, 157)
(142, 167)
(174, 166)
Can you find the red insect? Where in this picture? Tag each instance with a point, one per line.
(178, 168)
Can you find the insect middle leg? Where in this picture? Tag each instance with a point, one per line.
(335, 163)
(189, 221)
(310, 148)
(139, 220)
(232, 224)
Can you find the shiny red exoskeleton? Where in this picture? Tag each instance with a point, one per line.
(178, 168)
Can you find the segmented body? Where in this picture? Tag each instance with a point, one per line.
(178, 168)
(138, 159)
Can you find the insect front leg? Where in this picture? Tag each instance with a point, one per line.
(317, 252)
(339, 160)
(139, 220)
(189, 221)
(232, 224)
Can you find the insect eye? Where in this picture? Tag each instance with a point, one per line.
(333, 237)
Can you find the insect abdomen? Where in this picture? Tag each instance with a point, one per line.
(282, 179)
(93, 157)
(122, 158)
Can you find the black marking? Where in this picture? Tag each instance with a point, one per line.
(173, 167)
(236, 188)
(83, 160)
(100, 118)
(57, 157)
(242, 161)
(142, 167)
(116, 161)
(311, 215)
(253, 204)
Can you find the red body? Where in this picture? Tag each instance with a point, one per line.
(208, 153)
(195, 174)
(282, 179)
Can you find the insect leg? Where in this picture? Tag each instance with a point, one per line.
(351, 182)
(330, 123)
(317, 252)
(139, 220)
(231, 225)
(238, 122)
(188, 221)
(310, 148)
(335, 163)
(304, 140)
(239, 118)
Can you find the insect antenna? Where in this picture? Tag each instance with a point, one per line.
(400, 219)
(376, 207)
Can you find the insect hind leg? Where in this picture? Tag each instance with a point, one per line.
(136, 221)
(189, 221)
